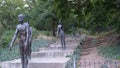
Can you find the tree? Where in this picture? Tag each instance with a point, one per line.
(9, 11)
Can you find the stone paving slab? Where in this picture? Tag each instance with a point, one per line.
(56, 48)
(52, 53)
(38, 63)
(61, 46)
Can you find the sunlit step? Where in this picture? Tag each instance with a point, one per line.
(38, 63)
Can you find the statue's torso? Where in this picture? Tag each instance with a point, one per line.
(60, 29)
(22, 31)
(30, 30)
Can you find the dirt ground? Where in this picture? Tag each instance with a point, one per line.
(90, 57)
(89, 53)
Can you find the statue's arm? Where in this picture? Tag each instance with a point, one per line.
(57, 31)
(14, 37)
(27, 35)
(31, 32)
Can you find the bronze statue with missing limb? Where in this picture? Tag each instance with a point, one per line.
(60, 34)
(23, 30)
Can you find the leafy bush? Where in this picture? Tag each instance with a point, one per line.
(35, 32)
(108, 33)
(110, 51)
(6, 55)
(7, 37)
(45, 33)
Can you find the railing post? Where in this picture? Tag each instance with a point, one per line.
(85, 63)
(89, 64)
(116, 63)
(94, 64)
(74, 62)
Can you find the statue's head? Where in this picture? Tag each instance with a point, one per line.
(21, 18)
(60, 22)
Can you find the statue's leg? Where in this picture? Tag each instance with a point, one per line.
(26, 61)
(61, 41)
(59, 35)
(23, 52)
(26, 55)
(22, 55)
(30, 50)
(64, 42)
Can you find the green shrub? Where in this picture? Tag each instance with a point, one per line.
(46, 33)
(35, 32)
(111, 52)
(6, 55)
(7, 37)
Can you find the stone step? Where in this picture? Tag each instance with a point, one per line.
(57, 45)
(56, 48)
(38, 63)
(52, 53)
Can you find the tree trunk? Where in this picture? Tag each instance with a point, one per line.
(53, 27)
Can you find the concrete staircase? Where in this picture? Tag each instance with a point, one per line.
(48, 57)
(51, 53)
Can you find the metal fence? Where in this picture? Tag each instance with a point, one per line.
(99, 64)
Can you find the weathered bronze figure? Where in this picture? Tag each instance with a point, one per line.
(30, 42)
(60, 34)
(23, 30)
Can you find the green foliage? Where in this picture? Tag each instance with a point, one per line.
(39, 43)
(75, 57)
(6, 55)
(8, 35)
(93, 15)
(39, 14)
(35, 32)
(107, 33)
(9, 12)
(98, 15)
(6, 38)
(83, 31)
(110, 52)
(62, 8)
(47, 33)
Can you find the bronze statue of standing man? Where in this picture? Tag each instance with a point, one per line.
(61, 35)
(23, 30)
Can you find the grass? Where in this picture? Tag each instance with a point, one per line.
(108, 33)
(110, 52)
(6, 55)
(74, 57)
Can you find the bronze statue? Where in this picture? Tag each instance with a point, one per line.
(30, 42)
(23, 30)
(60, 34)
